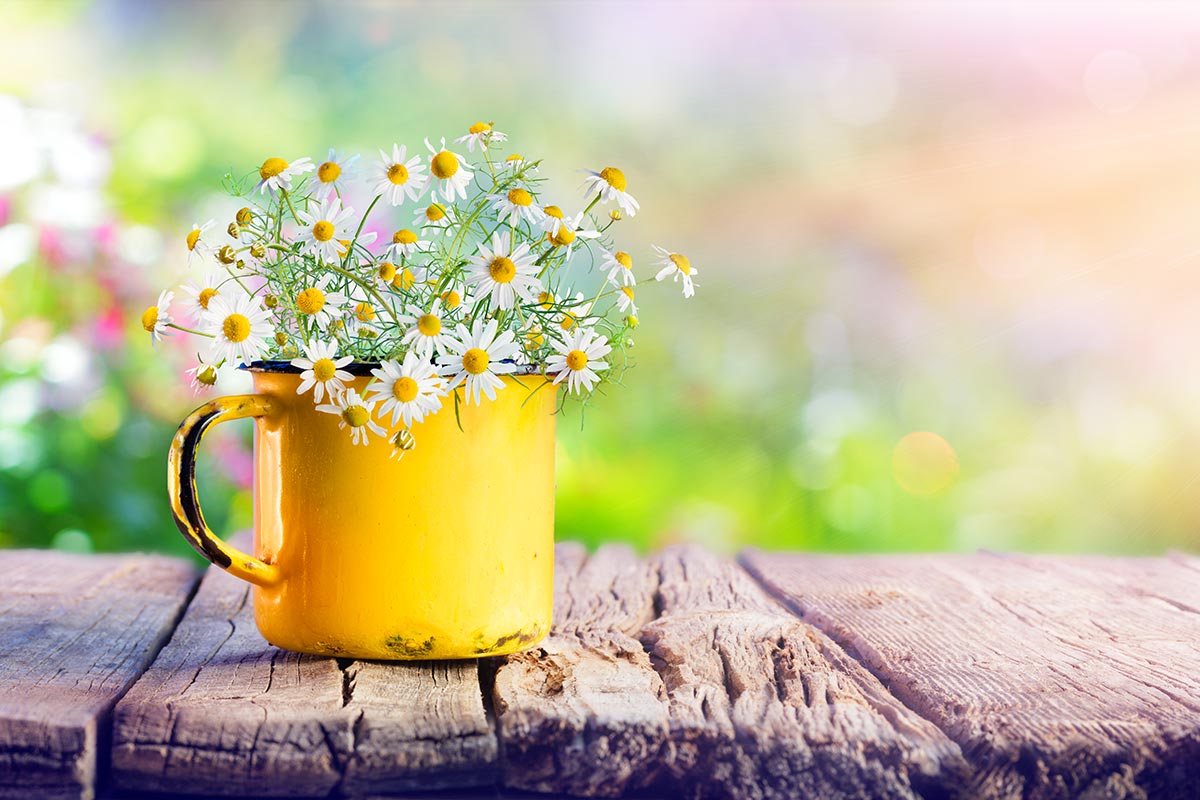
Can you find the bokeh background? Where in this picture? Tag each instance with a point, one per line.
(948, 253)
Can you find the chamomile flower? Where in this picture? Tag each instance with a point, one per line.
(195, 241)
(359, 244)
(450, 171)
(573, 311)
(320, 229)
(409, 389)
(625, 300)
(355, 413)
(676, 266)
(363, 315)
(517, 204)
(620, 268)
(452, 297)
(405, 243)
(400, 180)
(610, 183)
(435, 218)
(201, 293)
(475, 358)
(322, 370)
(577, 359)
(504, 273)
(332, 175)
(515, 163)
(157, 317)
(318, 302)
(428, 332)
(240, 328)
(203, 376)
(277, 174)
(482, 134)
(385, 273)
(569, 233)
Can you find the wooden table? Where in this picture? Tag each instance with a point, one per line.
(775, 675)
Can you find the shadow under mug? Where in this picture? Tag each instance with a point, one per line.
(447, 552)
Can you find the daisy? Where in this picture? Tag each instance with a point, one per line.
(239, 328)
(569, 233)
(400, 180)
(332, 175)
(504, 273)
(610, 182)
(385, 273)
(428, 332)
(620, 268)
(402, 442)
(452, 297)
(577, 361)
(573, 311)
(475, 356)
(409, 390)
(201, 293)
(404, 244)
(362, 317)
(322, 370)
(405, 278)
(320, 229)
(354, 413)
(345, 246)
(277, 174)
(321, 304)
(517, 204)
(435, 216)
(450, 170)
(195, 246)
(675, 266)
(157, 317)
(552, 219)
(483, 134)
(625, 300)
(203, 376)
(515, 163)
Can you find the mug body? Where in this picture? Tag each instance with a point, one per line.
(447, 552)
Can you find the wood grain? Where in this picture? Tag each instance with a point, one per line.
(679, 675)
(222, 712)
(75, 632)
(1059, 677)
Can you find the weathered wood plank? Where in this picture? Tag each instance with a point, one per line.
(680, 674)
(222, 712)
(1058, 677)
(75, 632)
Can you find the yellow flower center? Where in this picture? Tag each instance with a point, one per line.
(363, 312)
(150, 318)
(244, 216)
(205, 296)
(398, 174)
(310, 301)
(563, 238)
(404, 236)
(444, 165)
(387, 271)
(404, 389)
(628, 290)
(576, 360)
(451, 299)
(323, 369)
(404, 279)
(502, 269)
(553, 211)
(515, 157)
(546, 299)
(192, 238)
(520, 197)
(479, 127)
(429, 325)
(614, 177)
(534, 338)
(624, 260)
(568, 321)
(236, 328)
(435, 212)
(207, 375)
(329, 172)
(475, 361)
(681, 263)
(323, 231)
(356, 416)
(272, 167)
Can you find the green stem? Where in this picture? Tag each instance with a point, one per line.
(189, 330)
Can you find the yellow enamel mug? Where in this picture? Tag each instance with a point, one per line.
(447, 552)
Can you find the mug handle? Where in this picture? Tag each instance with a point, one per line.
(181, 487)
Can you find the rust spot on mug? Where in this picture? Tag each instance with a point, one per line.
(408, 647)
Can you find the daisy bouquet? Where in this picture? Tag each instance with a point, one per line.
(458, 272)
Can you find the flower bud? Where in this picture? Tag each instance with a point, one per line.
(615, 215)
(271, 301)
(281, 338)
(258, 249)
(244, 215)
(233, 230)
(227, 255)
